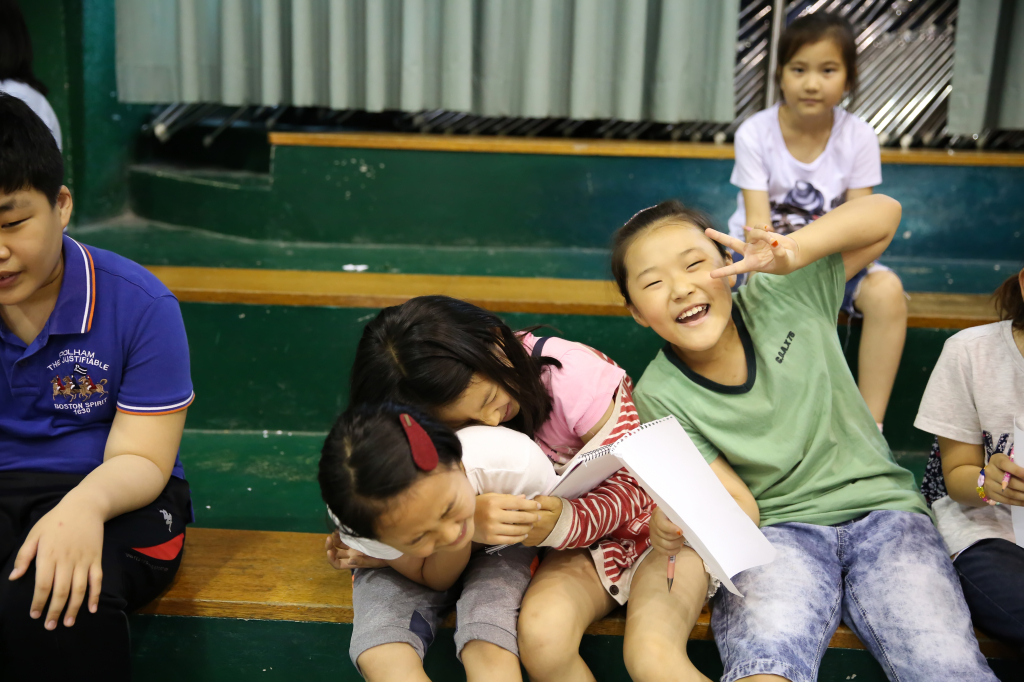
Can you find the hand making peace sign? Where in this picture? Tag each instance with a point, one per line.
(763, 252)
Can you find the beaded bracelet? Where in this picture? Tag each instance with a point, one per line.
(981, 489)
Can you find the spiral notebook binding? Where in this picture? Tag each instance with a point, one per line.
(606, 449)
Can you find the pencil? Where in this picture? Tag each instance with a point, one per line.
(671, 571)
(1006, 476)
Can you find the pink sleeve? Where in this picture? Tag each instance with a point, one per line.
(584, 388)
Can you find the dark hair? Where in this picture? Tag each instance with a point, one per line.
(16, 47)
(29, 158)
(672, 209)
(813, 28)
(426, 351)
(1010, 301)
(366, 462)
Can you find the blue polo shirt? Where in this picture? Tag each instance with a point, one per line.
(114, 341)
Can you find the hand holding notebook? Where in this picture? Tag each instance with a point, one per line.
(666, 463)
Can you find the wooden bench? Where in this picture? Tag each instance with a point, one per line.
(630, 148)
(501, 294)
(265, 575)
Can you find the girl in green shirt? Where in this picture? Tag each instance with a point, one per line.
(758, 378)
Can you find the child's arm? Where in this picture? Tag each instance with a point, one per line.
(961, 465)
(67, 543)
(759, 209)
(615, 502)
(343, 557)
(860, 230)
(439, 571)
(503, 519)
(667, 538)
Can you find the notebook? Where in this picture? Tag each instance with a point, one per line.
(666, 463)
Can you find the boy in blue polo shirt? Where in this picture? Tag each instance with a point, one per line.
(95, 384)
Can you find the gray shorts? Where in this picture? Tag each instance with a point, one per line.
(389, 607)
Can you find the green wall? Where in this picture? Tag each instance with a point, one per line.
(73, 42)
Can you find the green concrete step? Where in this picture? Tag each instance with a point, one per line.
(395, 196)
(222, 650)
(267, 481)
(256, 480)
(152, 243)
(287, 367)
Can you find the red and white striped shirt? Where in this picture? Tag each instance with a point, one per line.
(614, 518)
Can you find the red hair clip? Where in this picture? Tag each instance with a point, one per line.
(424, 454)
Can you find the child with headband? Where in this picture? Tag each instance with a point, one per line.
(402, 487)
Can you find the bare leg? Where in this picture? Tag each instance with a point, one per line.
(884, 307)
(485, 662)
(658, 623)
(564, 598)
(396, 662)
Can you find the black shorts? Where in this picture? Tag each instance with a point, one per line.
(141, 553)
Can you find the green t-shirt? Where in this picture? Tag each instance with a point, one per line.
(798, 431)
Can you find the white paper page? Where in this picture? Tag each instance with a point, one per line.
(668, 465)
(585, 477)
(1018, 512)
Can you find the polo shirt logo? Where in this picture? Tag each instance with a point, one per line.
(78, 391)
(82, 387)
(785, 348)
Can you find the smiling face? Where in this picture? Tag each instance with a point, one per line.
(483, 402)
(670, 286)
(815, 79)
(31, 236)
(435, 514)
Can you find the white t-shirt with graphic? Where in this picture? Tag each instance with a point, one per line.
(801, 192)
(973, 395)
(36, 102)
(497, 460)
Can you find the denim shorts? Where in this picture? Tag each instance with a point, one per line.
(886, 575)
(389, 608)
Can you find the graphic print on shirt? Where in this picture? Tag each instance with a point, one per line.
(801, 206)
(785, 347)
(74, 388)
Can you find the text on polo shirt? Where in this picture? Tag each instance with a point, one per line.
(82, 357)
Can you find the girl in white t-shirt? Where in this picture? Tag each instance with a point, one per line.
(975, 393)
(803, 157)
(402, 487)
(16, 76)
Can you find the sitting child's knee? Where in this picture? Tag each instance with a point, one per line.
(647, 658)
(544, 635)
(484, 651)
(882, 291)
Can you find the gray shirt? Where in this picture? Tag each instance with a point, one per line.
(973, 395)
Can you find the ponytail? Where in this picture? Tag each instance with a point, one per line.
(1010, 301)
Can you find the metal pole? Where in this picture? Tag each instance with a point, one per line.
(778, 17)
